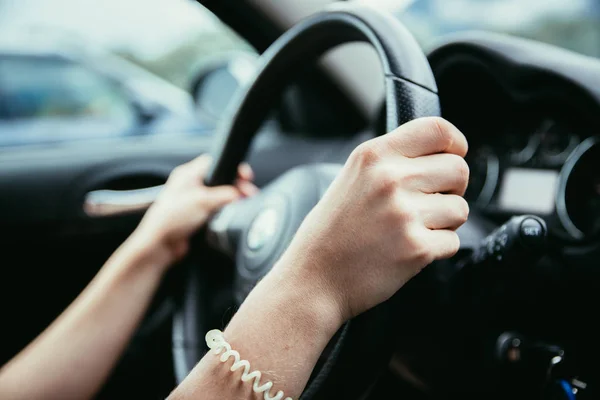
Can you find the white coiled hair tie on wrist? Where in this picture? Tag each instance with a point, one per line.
(216, 342)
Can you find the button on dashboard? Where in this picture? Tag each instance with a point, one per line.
(532, 231)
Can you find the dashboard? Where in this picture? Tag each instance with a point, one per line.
(530, 113)
(531, 122)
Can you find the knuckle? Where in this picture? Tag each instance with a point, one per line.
(442, 131)
(410, 177)
(454, 245)
(385, 181)
(200, 199)
(459, 171)
(402, 212)
(365, 155)
(422, 254)
(463, 170)
(177, 172)
(462, 210)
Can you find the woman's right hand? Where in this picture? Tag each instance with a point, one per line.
(393, 210)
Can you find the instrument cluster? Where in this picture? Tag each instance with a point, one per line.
(542, 164)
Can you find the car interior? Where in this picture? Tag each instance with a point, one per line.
(511, 316)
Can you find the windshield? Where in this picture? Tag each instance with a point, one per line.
(572, 24)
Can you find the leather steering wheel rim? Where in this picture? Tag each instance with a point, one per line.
(364, 345)
(411, 91)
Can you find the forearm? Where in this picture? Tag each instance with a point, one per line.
(281, 330)
(74, 356)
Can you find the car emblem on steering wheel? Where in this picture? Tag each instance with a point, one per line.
(263, 229)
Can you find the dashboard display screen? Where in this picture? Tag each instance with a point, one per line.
(528, 190)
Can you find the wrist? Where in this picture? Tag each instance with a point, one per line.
(293, 300)
(304, 300)
(303, 269)
(299, 287)
(148, 251)
(284, 328)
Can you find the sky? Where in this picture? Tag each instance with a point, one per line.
(144, 27)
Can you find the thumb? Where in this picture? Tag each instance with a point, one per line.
(216, 197)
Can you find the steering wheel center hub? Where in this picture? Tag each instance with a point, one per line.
(263, 229)
(274, 216)
(264, 234)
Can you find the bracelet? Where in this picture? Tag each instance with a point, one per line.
(216, 342)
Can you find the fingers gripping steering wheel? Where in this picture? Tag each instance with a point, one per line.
(256, 231)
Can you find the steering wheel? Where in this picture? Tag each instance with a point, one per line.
(256, 231)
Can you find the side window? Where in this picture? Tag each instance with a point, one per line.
(54, 88)
(135, 72)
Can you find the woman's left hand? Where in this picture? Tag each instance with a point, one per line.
(184, 205)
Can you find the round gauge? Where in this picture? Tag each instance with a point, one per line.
(556, 143)
(578, 202)
(485, 168)
(521, 143)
